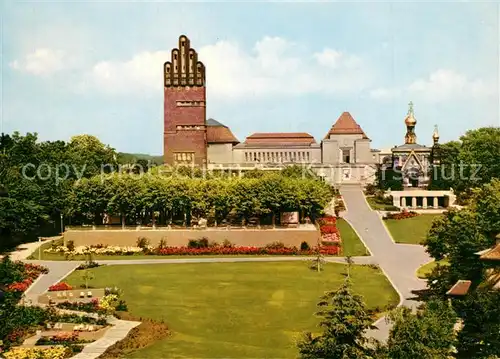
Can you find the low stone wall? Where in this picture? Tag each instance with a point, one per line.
(177, 238)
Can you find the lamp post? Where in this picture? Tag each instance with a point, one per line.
(39, 248)
(62, 229)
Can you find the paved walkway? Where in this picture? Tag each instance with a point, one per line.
(398, 261)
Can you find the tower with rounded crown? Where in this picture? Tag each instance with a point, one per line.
(411, 159)
(410, 121)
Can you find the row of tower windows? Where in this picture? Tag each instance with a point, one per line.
(189, 127)
(190, 103)
(183, 157)
(278, 157)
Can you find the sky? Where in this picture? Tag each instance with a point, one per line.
(71, 68)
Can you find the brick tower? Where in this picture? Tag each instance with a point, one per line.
(184, 137)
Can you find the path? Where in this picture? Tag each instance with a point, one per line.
(398, 261)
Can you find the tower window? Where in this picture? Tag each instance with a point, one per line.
(175, 56)
(182, 43)
(346, 156)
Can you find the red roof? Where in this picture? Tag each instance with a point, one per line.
(493, 254)
(297, 138)
(460, 288)
(219, 133)
(346, 125)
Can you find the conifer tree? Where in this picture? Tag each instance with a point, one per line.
(344, 319)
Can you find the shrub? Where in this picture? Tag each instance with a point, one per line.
(142, 242)
(60, 286)
(147, 333)
(401, 215)
(226, 243)
(70, 245)
(328, 229)
(327, 220)
(275, 245)
(198, 243)
(162, 244)
(304, 246)
(370, 189)
(60, 352)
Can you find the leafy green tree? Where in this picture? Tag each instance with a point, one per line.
(444, 175)
(460, 234)
(480, 335)
(344, 319)
(90, 156)
(426, 334)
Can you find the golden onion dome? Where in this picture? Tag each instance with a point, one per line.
(410, 118)
(435, 134)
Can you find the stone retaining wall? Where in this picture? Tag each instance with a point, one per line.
(176, 238)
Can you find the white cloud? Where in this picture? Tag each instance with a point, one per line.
(385, 93)
(275, 66)
(41, 62)
(441, 85)
(337, 59)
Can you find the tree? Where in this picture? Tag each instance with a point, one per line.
(480, 335)
(460, 234)
(444, 175)
(426, 334)
(90, 156)
(344, 319)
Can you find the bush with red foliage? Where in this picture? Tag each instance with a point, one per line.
(329, 229)
(20, 286)
(60, 286)
(401, 215)
(243, 250)
(29, 272)
(327, 220)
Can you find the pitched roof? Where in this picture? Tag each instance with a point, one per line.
(219, 133)
(346, 125)
(460, 288)
(492, 254)
(280, 138)
(212, 122)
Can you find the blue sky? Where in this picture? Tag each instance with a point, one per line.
(96, 68)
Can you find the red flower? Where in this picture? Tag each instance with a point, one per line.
(60, 286)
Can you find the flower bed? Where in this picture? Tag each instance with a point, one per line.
(59, 352)
(19, 276)
(401, 215)
(60, 286)
(64, 338)
(209, 250)
(330, 234)
(105, 305)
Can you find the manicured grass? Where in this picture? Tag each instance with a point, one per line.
(233, 310)
(351, 244)
(380, 206)
(426, 269)
(410, 230)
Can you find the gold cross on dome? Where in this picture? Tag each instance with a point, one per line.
(410, 108)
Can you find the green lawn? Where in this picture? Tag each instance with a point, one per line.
(410, 230)
(380, 206)
(351, 244)
(426, 269)
(233, 310)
